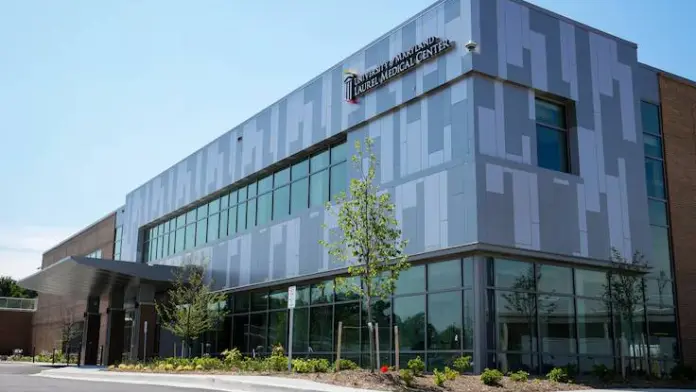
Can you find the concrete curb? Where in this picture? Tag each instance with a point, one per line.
(210, 382)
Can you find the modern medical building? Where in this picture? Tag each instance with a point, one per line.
(520, 148)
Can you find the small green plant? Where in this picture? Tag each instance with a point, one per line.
(439, 378)
(251, 365)
(301, 366)
(683, 372)
(407, 376)
(462, 364)
(450, 374)
(491, 376)
(232, 357)
(346, 364)
(320, 365)
(602, 372)
(519, 376)
(417, 366)
(314, 365)
(276, 363)
(558, 375)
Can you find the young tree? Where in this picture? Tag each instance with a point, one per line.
(191, 308)
(368, 237)
(69, 328)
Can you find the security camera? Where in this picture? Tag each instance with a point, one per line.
(471, 46)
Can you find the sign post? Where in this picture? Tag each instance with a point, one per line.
(292, 295)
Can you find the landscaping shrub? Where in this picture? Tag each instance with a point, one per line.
(407, 376)
(346, 364)
(207, 363)
(250, 364)
(491, 376)
(417, 366)
(276, 363)
(683, 372)
(558, 375)
(439, 378)
(232, 357)
(450, 375)
(320, 365)
(462, 364)
(519, 376)
(602, 372)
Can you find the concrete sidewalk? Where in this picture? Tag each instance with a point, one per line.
(209, 381)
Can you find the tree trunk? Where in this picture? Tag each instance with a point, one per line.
(369, 320)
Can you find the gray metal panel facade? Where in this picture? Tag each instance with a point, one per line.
(457, 149)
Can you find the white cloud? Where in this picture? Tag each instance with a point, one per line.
(21, 248)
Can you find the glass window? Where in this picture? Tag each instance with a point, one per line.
(265, 208)
(191, 216)
(214, 206)
(281, 202)
(552, 148)
(658, 291)
(381, 315)
(654, 178)
(349, 314)
(550, 114)
(241, 302)
(278, 328)
(241, 216)
(240, 332)
(299, 195)
(658, 212)
(165, 245)
(515, 314)
(302, 296)
(242, 194)
(155, 249)
(179, 240)
(661, 253)
(201, 231)
(346, 292)
(652, 145)
(319, 188)
(279, 299)
(468, 272)
(322, 293)
(190, 236)
(202, 211)
(553, 279)
(172, 244)
(225, 201)
(445, 275)
(516, 275)
(594, 326)
(650, 114)
(257, 333)
(281, 178)
(119, 233)
(232, 221)
(468, 320)
(662, 326)
(259, 300)
(233, 198)
(251, 213)
(321, 329)
(445, 321)
(338, 153)
(409, 315)
(265, 184)
(223, 223)
(251, 190)
(319, 161)
(557, 325)
(300, 170)
(590, 283)
(339, 180)
(213, 227)
(180, 221)
(411, 281)
(300, 333)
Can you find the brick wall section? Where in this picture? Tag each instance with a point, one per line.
(15, 331)
(52, 309)
(678, 100)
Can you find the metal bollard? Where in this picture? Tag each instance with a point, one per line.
(33, 354)
(53, 358)
(101, 355)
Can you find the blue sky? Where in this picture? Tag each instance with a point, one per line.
(97, 97)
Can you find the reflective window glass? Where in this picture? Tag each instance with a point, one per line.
(232, 221)
(594, 327)
(516, 275)
(191, 216)
(299, 196)
(552, 149)
(321, 328)
(201, 231)
(381, 315)
(658, 212)
(214, 206)
(660, 261)
(225, 201)
(515, 314)
(257, 333)
(251, 190)
(445, 321)
(241, 302)
(179, 240)
(281, 178)
(319, 161)
(346, 291)
(241, 216)
(339, 152)
(300, 169)
(281, 202)
(557, 325)
(242, 194)
(654, 178)
(319, 188)
(180, 221)
(349, 314)
(265, 208)
(468, 271)
(554, 279)
(445, 275)
(213, 226)
(278, 299)
(278, 328)
(223, 223)
(259, 300)
(662, 326)
(411, 281)
(339, 180)
(322, 292)
(590, 283)
(233, 198)
(658, 291)
(300, 332)
(202, 212)
(165, 245)
(550, 114)
(190, 236)
(409, 316)
(240, 332)
(265, 184)
(172, 243)
(251, 213)
(468, 320)
(650, 115)
(652, 145)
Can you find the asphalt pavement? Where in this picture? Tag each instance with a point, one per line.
(20, 378)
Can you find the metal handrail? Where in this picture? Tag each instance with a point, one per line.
(22, 304)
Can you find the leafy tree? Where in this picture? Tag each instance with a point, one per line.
(10, 288)
(369, 239)
(70, 329)
(191, 308)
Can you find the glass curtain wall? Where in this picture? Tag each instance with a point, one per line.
(432, 307)
(545, 316)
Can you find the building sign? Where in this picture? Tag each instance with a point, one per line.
(357, 85)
